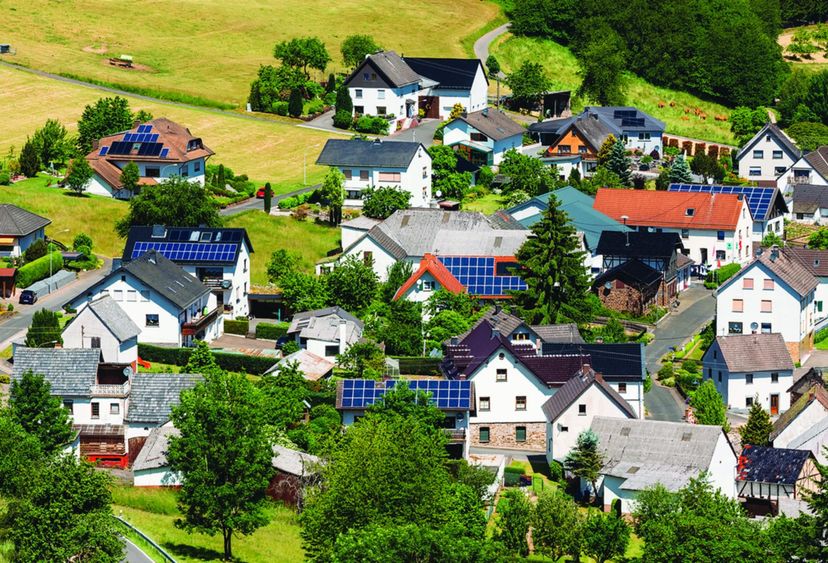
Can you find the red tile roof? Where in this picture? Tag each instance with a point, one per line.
(431, 264)
(671, 209)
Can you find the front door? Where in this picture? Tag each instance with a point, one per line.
(774, 407)
(704, 256)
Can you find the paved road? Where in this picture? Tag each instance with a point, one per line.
(254, 203)
(423, 133)
(134, 554)
(481, 46)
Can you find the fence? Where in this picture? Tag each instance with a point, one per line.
(48, 285)
(155, 546)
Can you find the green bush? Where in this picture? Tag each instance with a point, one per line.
(821, 335)
(5, 178)
(39, 269)
(556, 472)
(722, 274)
(314, 106)
(241, 327)
(10, 307)
(268, 331)
(297, 200)
(511, 476)
(280, 108)
(372, 124)
(5, 378)
(418, 365)
(37, 249)
(342, 119)
(255, 365)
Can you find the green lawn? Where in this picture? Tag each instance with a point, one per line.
(562, 68)
(487, 204)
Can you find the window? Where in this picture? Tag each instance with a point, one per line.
(758, 154)
(197, 166)
(132, 295)
(564, 428)
(643, 136)
(748, 401)
(685, 233)
(152, 172)
(520, 336)
(768, 285)
(747, 283)
(520, 403)
(152, 320)
(720, 376)
(425, 172)
(734, 328)
(359, 110)
(380, 94)
(331, 350)
(818, 306)
(382, 110)
(114, 408)
(738, 305)
(748, 379)
(390, 177)
(501, 374)
(720, 255)
(690, 211)
(564, 149)
(485, 404)
(363, 174)
(582, 149)
(777, 155)
(767, 306)
(709, 373)
(483, 435)
(779, 170)
(358, 93)
(428, 286)
(70, 406)
(720, 235)
(520, 433)
(347, 173)
(755, 171)
(95, 342)
(766, 328)
(118, 294)
(582, 409)
(479, 137)
(368, 258)
(96, 410)
(622, 388)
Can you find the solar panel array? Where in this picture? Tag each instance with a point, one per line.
(477, 274)
(164, 153)
(120, 147)
(144, 128)
(759, 199)
(188, 251)
(187, 234)
(103, 151)
(445, 394)
(141, 138)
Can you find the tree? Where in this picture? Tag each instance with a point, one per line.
(284, 393)
(175, 201)
(78, 175)
(303, 292)
(493, 66)
(792, 95)
(20, 453)
(44, 332)
(382, 202)
(772, 239)
(619, 163)
(707, 167)
(815, 99)
(39, 413)
(552, 19)
(679, 171)
(52, 143)
(105, 117)
(344, 102)
(445, 178)
(268, 198)
(818, 503)
(605, 536)
(444, 325)
(330, 85)
(223, 455)
(528, 83)
(403, 334)
(356, 47)
(757, 429)
(457, 110)
(809, 136)
(201, 360)
(605, 150)
(29, 160)
(746, 122)
(601, 68)
(65, 514)
(585, 460)
(819, 239)
(514, 513)
(352, 285)
(612, 332)
(397, 275)
(281, 262)
(463, 304)
(221, 177)
(363, 360)
(333, 193)
(709, 406)
(303, 53)
(295, 104)
(551, 264)
(38, 249)
(526, 173)
(130, 176)
(556, 524)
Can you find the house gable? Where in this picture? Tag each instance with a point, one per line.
(357, 78)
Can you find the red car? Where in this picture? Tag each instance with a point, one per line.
(260, 193)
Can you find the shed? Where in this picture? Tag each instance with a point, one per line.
(766, 475)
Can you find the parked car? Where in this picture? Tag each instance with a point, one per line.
(27, 297)
(260, 193)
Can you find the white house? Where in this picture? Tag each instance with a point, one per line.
(160, 148)
(169, 305)
(219, 257)
(809, 203)
(768, 155)
(816, 262)
(747, 368)
(810, 168)
(104, 325)
(19, 228)
(483, 137)
(570, 411)
(380, 164)
(774, 293)
(354, 229)
(642, 453)
(805, 425)
(325, 332)
(715, 228)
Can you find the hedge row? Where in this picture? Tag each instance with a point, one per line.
(238, 326)
(416, 365)
(39, 269)
(718, 277)
(268, 331)
(255, 365)
(297, 200)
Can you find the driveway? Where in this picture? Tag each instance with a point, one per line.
(254, 203)
(423, 133)
(134, 554)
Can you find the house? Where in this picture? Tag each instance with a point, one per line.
(160, 148)
(768, 155)
(102, 324)
(169, 305)
(483, 137)
(809, 203)
(810, 168)
(150, 467)
(354, 229)
(714, 228)
(639, 454)
(294, 470)
(750, 367)
(19, 229)
(572, 408)
(774, 293)
(801, 386)
(398, 88)
(804, 426)
(380, 164)
(519, 332)
(774, 480)
(312, 366)
(219, 257)
(325, 332)
(816, 262)
(766, 205)
(632, 287)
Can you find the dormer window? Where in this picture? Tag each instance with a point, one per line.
(689, 212)
(206, 237)
(194, 236)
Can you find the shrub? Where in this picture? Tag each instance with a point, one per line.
(10, 307)
(342, 119)
(372, 124)
(268, 331)
(5, 178)
(511, 476)
(255, 365)
(818, 337)
(5, 378)
(721, 275)
(280, 108)
(295, 103)
(39, 269)
(418, 365)
(315, 106)
(556, 472)
(36, 250)
(239, 326)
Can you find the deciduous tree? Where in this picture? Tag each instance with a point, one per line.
(528, 83)
(281, 262)
(52, 143)
(39, 412)
(29, 160)
(355, 48)
(605, 536)
(303, 292)
(20, 452)
(130, 175)
(352, 285)
(526, 173)
(515, 513)
(382, 202)
(333, 193)
(397, 275)
(303, 53)
(555, 525)
(78, 175)
(105, 117)
(492, 66)
(201, 360)
(363, 360)
(709, 406)
(602, 68)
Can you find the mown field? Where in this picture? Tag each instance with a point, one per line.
(212, 48)
(562, 68)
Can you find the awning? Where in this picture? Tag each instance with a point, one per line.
(7, 240)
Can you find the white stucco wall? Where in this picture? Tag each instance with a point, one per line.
(791, 176)
(382, 260)
(239, 276)
(79, 334)
(415, 179)
(734, 388)
(812, 415)
(158, 477)
(393, 99)
(82, 411)
(760, 158)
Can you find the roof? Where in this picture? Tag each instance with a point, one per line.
(168, 279)
(152, 395)
(812, 259)
(743, 353)
(323, 324)
(360, 223)
(374, 154)
(560, 333)
(771, 465)
(816, 393)
(69, 371)
(622, 360)
(818, 160)
(790, 271)
(626, 118)
(313, 367)
(772, 129)
(17, 222)
(501, 219)
(813, 376)
(809, 198)
(450, 74)
(435, 267)
(114, 318)
(632, 272)
(646, 452)
(682, 261)
(493, 123)
(445, 394)
(671, 209)
(153, 454)
(577, 386)
(507, 324)
(391, 66)
(596, 122)
(639, 244)
(594, 131)
(294, 462)
(762, 200)
(188, 245)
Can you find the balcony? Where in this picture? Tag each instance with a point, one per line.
(213, 282)
(115, 391)
(197, 324)
(455, 434)
(799, 179)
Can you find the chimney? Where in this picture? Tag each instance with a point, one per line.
(495, 333)
(135, 124)
(486, 112)
(95, 144)
(774, 253)
(454, 341)
(538, 345)
(343, 334)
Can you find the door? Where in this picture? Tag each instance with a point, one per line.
(703, 256)
(430, 106)
(774, 407)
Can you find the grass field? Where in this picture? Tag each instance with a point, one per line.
(562, 67)
(213, 48)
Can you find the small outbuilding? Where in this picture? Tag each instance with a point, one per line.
(767, 477)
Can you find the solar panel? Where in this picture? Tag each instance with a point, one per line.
(164, 153)
(153, 138)
(144, 128)
(758, 199)
(445, 394)
(478, 275)
(120, 147)
(103, 151)
(188, 251)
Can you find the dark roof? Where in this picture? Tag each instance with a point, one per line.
(392, 67)
(813, 377)
(566, 333)
(17, 222)
(114, 318)
(744, 353)
(771, 465)
(596, 122)
(493, 123)
(808, 198)
(551, 125)
(774, 130)
(812, 259)
(782, 265)
(356, 152)
(507, 323)
(451, 74)
(166, 278)
(638, 244)
(625, 360)
(575, 387)
(152, 395)
(818, 160)
(69, 371)
(594, 131)
(502, 220)
(188, 245)
(632, 272)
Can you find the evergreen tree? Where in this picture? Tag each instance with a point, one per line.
(584, 460)
(619, 163)
(709, 406)
(757, 429)
(29, 161)
(221, 177)
(40, 413)
(493, 66)
(268, 198)
(295, 103)
(333, 193)
(605, 150)
(44, 332)
(551, 264)
(130, 175)
(680, 171)
(343, 100)
(330, 86)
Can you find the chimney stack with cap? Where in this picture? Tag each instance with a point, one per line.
(774, 253)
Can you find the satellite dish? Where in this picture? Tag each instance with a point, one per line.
(607, 285)
(225, 284)
(754, 326)
(439, 193)
(128, 372)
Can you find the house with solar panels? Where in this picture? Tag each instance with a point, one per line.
(160, 148)
(218, 257)
(766, 203)
(768, 155)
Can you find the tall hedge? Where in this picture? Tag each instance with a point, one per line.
(39, 269)
(418, 365)
(238, 326)
(255, 365)
(270, 331)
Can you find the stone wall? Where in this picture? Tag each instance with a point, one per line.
(502, 435)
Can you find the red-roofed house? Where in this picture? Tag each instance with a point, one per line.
(430, 276)
(715, 229)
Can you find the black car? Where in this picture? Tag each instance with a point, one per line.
(27, 297)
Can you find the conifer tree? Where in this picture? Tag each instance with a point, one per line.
(757, 429)
(343, 100)
(29, 161)
(585, 460)
(606, 149)
(268, 198)
(295, 103)
(680, 171)
(619, 163)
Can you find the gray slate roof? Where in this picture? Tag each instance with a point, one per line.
(323, 324)
(493, 123)
(294, 462)
(488, 243)
(808, 198)
(506, 323)
(152, 395)
(16, 221)
(313, 367)
(744, 353)
(114, 318)
(790, 271)
(154, 453)
(166, 278)
(818, 160)
(575, 387)
(812, 259)
(70, 371)
(646, 452)
(396, 70)
(374, 154)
